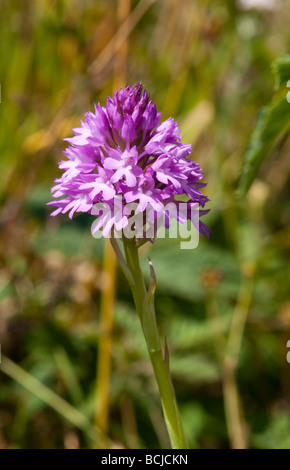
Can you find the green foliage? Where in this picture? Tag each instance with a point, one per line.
(273, 121)
(281, 68)
(277, 434)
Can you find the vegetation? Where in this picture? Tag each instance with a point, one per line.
(223, 307)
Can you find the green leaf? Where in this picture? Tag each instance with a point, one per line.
(276, 435)
(180, 273)
(281, 69)
(187, 334)
(194, 368)
(273, 121)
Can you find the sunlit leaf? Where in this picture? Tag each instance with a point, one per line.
(273, 121)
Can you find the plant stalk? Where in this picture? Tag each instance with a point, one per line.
(144, 302)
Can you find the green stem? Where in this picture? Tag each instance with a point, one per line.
(146, 312)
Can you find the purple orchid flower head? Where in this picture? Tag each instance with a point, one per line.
(121, 151)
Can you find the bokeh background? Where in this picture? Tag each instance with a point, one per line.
(74, 370)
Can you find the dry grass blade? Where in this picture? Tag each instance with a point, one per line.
(120, 37)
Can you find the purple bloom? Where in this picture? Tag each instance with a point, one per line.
(126, 165)
(122, 151)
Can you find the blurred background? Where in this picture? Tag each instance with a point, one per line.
(74, 370)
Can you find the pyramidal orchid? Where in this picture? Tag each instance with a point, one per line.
(123, 150)
(121, 155)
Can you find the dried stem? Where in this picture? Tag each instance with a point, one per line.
(105, 343)
(227, 354)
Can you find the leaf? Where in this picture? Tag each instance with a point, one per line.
(70, 238)
(281, 69)
(276, 435)
(180, 272)
(194, 368)
(273, 121)
(191, 334)
(194, 419)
